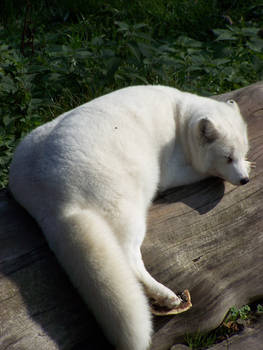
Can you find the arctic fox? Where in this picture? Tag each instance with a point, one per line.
(88, 177)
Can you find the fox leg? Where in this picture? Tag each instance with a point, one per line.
(160, 294)
(133, 229)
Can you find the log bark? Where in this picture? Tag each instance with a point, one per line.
(206, 237)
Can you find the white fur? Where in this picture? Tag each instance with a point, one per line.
(89, 176)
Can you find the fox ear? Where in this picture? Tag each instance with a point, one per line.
(207, 131)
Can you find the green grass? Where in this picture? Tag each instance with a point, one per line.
(53, 58)
(200, 340)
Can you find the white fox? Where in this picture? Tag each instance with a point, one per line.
(88, 177)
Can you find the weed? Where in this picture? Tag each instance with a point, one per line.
(232, 324)
(234, 313)
(200, 340)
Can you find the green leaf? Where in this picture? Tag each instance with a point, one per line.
(144, 36)
(122, 26)
(198, 59)
(195, 68)
(37, 68)
(189, 42)
(256, 44)
(135, 76)
(83, 53)
(6, 120)
(134, 50)
(224, 34)
(140, 25)
(8, 84)
(113, 65)
(221, 61)
(250, 31)
(146, 50)
(108, 53)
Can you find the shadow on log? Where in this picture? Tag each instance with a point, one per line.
(205, 237)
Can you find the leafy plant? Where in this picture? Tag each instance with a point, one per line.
(234, 313)
(73, 52)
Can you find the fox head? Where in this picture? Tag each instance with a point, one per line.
(221, 143)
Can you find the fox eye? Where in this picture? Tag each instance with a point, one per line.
(229, 159)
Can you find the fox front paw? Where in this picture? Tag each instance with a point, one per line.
(184, 305)
(169, 301)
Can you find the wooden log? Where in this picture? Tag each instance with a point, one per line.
(205, 237)
(208, 238)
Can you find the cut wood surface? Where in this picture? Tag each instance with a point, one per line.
(207, 237)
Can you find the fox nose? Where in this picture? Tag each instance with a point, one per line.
(244, 181)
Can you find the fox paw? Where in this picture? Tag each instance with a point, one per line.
(168, 302)
(172, 306)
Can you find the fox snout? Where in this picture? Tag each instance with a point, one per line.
(248, 166)
(236, 173)
(240, 176)
(244, 180)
